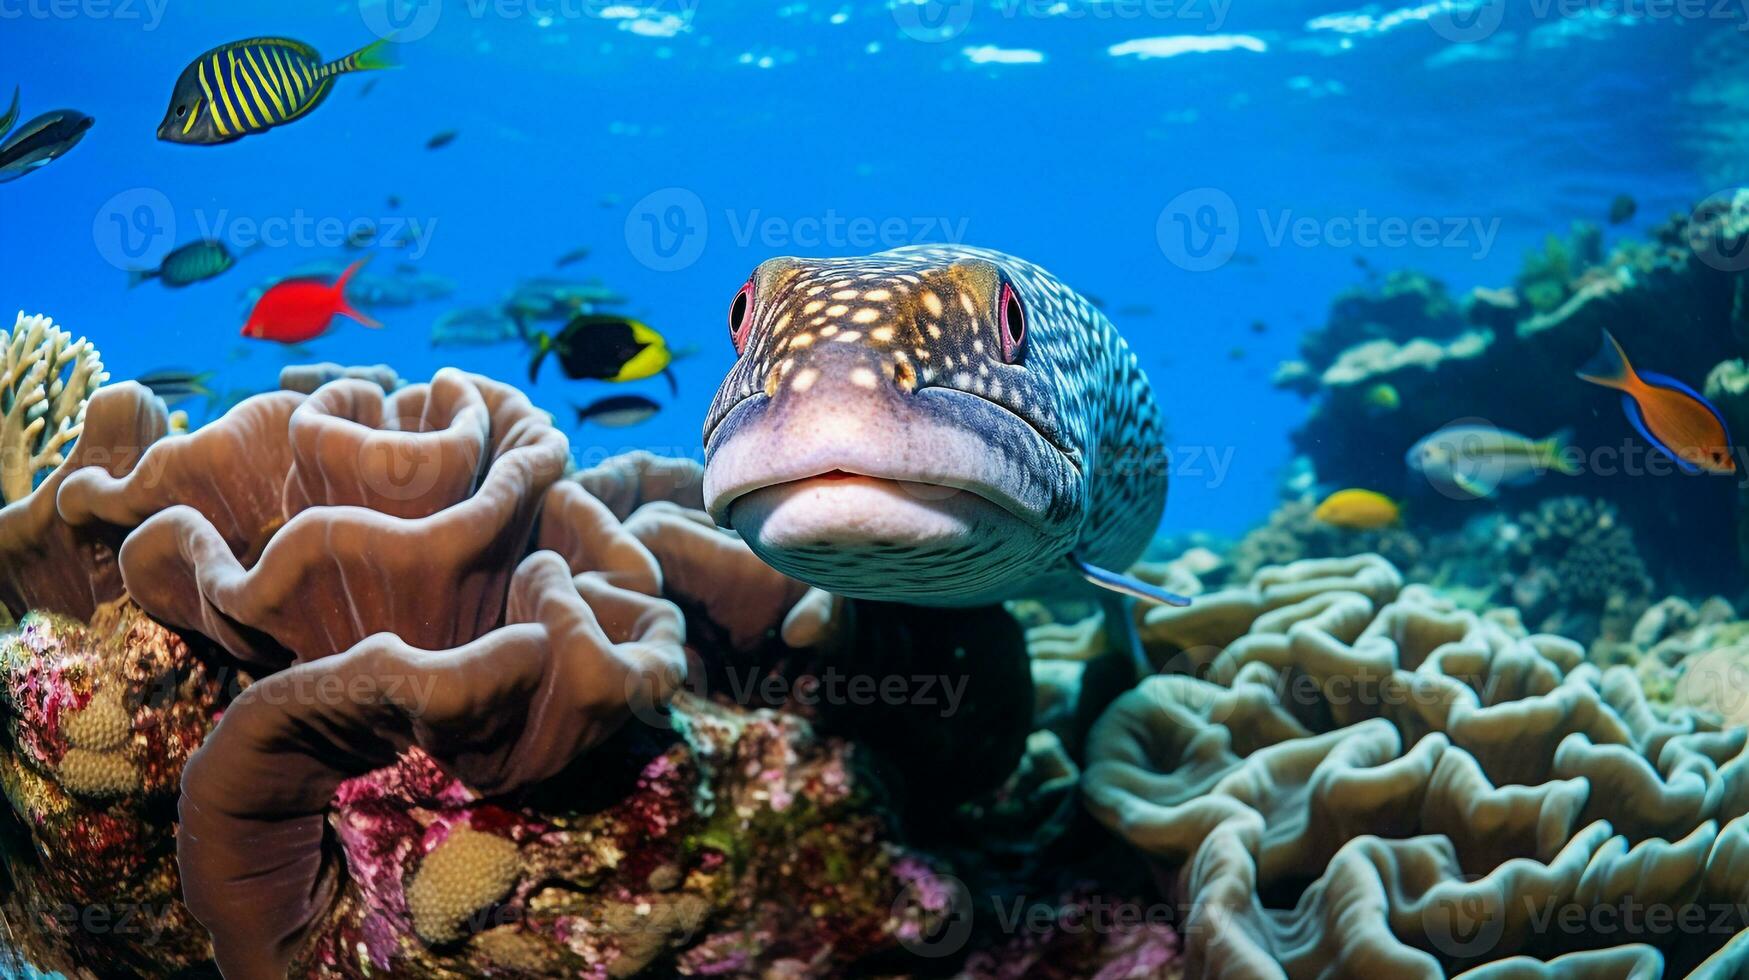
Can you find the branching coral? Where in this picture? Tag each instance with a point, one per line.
(46, 377)
(47, 564)
(1409, 789)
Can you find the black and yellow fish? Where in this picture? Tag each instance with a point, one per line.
(602, 347)
(247, 87)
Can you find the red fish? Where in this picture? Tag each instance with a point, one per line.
(300, 309)
(1671, 415)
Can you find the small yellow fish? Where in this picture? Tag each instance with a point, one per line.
(1357, 510)
(1383, 398)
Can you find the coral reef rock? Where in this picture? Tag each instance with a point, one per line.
(99, 721)
(1507, 357)
(1357, 780)
(743, 848)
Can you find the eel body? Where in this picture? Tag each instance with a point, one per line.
(936, 425)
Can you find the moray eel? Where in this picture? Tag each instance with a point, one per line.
(943, 426)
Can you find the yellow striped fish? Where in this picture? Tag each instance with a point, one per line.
(251, 86)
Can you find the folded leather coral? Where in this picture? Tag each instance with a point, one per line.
(501, 713)
(341, 499)
(1365, 782)
(421, 600)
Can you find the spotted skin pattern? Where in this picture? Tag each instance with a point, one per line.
(1072, 422)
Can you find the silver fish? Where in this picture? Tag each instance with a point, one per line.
(1475, 460)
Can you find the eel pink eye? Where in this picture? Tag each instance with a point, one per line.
(1013, 325)
(741, 317)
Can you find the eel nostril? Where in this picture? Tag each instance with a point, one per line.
(905, 376)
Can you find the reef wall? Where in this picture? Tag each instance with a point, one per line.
(1678, 303)
(411, 697)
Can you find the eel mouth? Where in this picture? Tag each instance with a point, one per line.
(938, 465)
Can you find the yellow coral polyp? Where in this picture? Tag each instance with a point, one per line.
(469, 871)
(98, 774)
(103, 725)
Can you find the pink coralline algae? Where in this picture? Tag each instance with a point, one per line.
(1084, 936)
(746, 846)
(100, 719)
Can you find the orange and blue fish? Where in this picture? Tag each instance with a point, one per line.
(1675, 418)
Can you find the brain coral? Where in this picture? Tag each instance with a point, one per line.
(1365, 782)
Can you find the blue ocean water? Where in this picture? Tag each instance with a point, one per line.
(1199, 166)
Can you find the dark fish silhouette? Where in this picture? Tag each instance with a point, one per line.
(188, 264)
(1622, 209)
(176, 386)
(441, 140)
(617, 411)
(38, 141)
